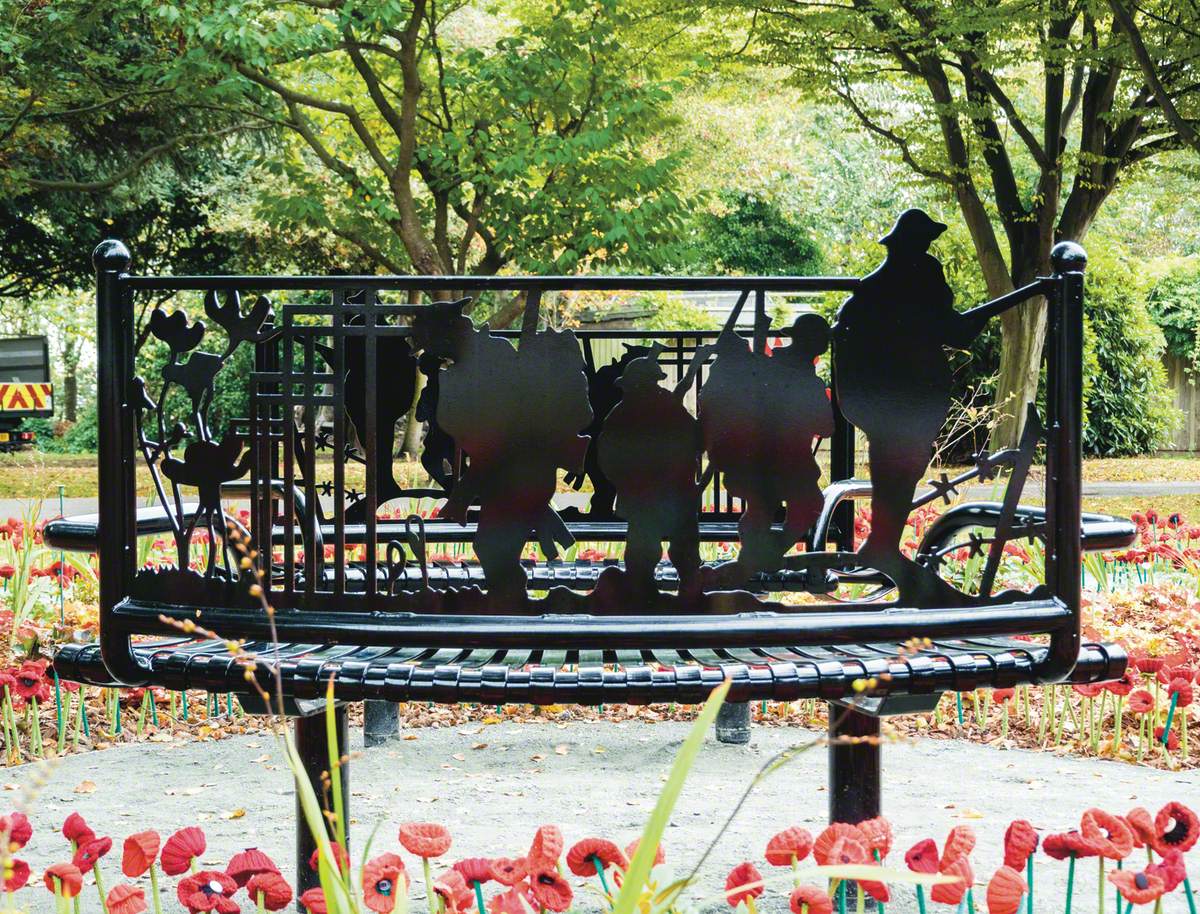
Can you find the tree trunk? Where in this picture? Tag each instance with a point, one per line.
(411, 447)
(1023, 333)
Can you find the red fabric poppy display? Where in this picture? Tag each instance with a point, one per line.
(922, 857)
(581, 858)
(1067, 844)
(827, 838)
(453, 890)
(546, 848)
(739, 884)
(70, 880)
(384, 881)
(31, 681)
(1005, 890)
(76, 830)
(139, 853)
(1170, 869)
(425, 839)
(550, 890)
(339, 855)
(1137, 888)
(180, 849)
(848, 852)
(274, 889)
(1181, 690)
(245, 865)
(1141, 702)
(17, 876)
(16, 825)
(877, 834)
(959, 843)
(1141, 826)
(810, 899)
(1176, 828)
(1020, 842)
(789, 845)
(660, 856)
(126, 899)
(954, 892)
(1108, 833)
(207, 890)
(314, 901)
(508, 870)
(474, 869)
(89, 853)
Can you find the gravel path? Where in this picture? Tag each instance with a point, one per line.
(494, 784)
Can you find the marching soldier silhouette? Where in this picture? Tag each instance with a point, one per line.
(649, 448)
(893, 381)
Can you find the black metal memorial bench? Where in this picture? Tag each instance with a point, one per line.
(713, 443)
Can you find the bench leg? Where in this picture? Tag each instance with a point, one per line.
(854, 768)
(314, 754)
(733, 723)
(381, 722)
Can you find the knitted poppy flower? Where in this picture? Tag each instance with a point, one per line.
(1170, 869)
(1181, 690)
(810, 899)
(207, 890)
(508, 870)
(16, 826)
(70, 880)
(660, 856)
(474, 869)
(425, 839)
(1005, 890)
(31, 681)
(877, 834)
(1141, 702)
(1110, 834)
(1137, 888)
(74, 829)
(1176, 828)
(1125, 684)
(959, 843)
(276, 893)
(789, 845)
(17, 876)
(339, 855)
(126, 899)
(546, 848)
(314, 901)
(954, 892)
(1172, 738)
(827, 838)
(88, 854)
(550, 889)
(139, 853)
(1020, 842)
(514, 901)
(740, 884)
(180, 849)
(383, 882)
(848, 852)
(922, 857)
(247, 864)
(580, 858)
(1067, 844)
(1141, 826)
(453, 890)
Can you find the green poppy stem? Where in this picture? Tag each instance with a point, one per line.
(1070, 885)
(1029, 879)
(100, 887)
(921, 899)
(430, 894)
(479, 897)
(875, 853)
(1187, 893)
(1116, 891)
(1100, 861)
(1170, 719)
(959, 707)
(154, 889)
(260, 903)
(842, 897)
(971, 901)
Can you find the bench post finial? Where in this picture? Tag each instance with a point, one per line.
(111, 256)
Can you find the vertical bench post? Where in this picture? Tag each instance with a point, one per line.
(314, 755)
(854, 767)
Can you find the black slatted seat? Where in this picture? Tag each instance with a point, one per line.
(598, 677)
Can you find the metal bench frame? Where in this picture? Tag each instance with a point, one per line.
(773, 629)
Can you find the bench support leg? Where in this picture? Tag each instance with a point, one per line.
(733, 723)
(381, 722)
(314, 754)
(854, 767)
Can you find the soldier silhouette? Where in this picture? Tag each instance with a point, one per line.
(650, 449)
(759, 414)
(893, 380)
(517, 415)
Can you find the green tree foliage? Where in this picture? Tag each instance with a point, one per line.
(1174, 303)
(751, 234)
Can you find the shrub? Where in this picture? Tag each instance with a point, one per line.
(1174, 304)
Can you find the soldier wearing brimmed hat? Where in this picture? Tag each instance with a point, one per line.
(892, 375)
